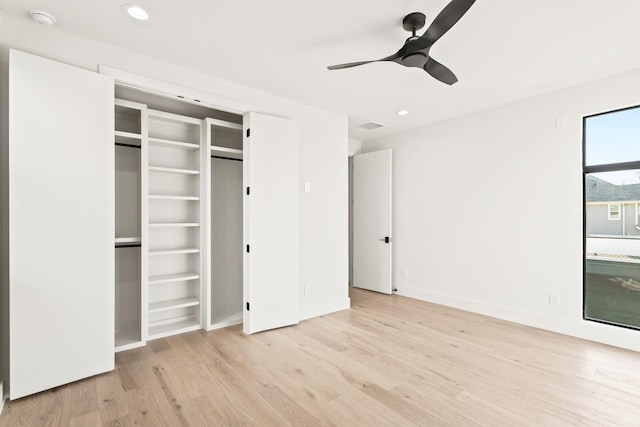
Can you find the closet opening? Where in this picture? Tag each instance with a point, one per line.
(226, 224)
(179, 217)
(128, 227)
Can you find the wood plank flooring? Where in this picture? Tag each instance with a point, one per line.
(389, 361)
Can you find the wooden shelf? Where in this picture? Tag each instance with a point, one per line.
(173, 170)
(225, 149)
(159, 330)
(172, 304)
(175, 251)
(159, 142)
(224, 124)
(128, 240)
(173, 117)
(127, 135)
(160, 197)
(173, 278)
(174, 224)
(226, 152)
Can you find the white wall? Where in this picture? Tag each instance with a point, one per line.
(488, 209)
(323, 150)
(324, 226)
(4, 225)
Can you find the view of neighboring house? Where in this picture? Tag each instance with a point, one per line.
(612, 210)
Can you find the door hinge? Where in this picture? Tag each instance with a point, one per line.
(248, 306)
(248, 133)
(247, 248)
(248, 191)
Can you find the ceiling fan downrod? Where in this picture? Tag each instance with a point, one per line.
(414, 22)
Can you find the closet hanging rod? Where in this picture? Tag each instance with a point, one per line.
(225, 158)
(128, 245)
(122, 144)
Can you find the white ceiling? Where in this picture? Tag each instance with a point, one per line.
(501, 50)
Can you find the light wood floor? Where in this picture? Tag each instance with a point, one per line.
(387, 361)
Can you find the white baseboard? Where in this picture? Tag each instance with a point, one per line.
(579, 328)
(324, 308)
(491, 310)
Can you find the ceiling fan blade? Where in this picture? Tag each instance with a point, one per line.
(440, 72)
(393, 57)
(446, 19)
(349, 65)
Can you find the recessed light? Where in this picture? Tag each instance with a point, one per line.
(135, 11)
(402, 113)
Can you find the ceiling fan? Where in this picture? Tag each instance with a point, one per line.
(415, 52)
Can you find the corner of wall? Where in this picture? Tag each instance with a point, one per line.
(355, 147)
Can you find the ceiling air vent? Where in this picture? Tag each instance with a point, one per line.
(371, 126)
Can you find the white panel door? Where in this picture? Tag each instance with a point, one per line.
(61, 223)
(372, 242)
(271, 171)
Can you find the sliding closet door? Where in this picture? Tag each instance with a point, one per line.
(61, 216)
(271, 282)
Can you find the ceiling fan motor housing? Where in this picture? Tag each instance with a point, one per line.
(417, 59)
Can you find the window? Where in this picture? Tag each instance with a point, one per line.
(614, 212)
(611, 164)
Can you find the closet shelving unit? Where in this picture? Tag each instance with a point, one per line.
(130, 154)
(174, 194)
(223, 168)
(188, 236)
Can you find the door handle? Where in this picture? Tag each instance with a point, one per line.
(386, 239)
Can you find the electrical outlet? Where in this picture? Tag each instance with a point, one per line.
(554, 300)
(306, 290)
(561, 122)
(404, 274)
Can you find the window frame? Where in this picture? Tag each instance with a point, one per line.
(586, 170)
